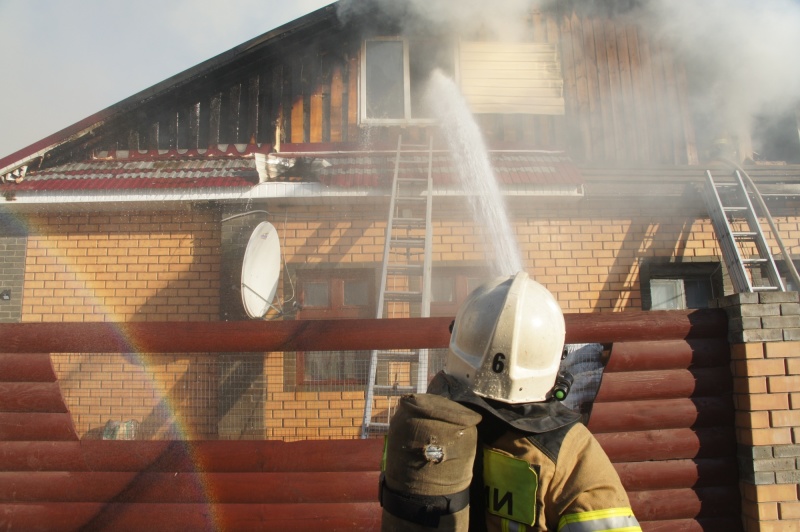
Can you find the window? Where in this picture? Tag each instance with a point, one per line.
(676, 286)
(334, 294)
(394, 75)
(674, 294)
(451, 286)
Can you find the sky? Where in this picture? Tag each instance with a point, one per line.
(64, 60)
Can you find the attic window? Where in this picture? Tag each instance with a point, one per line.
(394, 73)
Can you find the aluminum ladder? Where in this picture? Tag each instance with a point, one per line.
(745, 250)
(405, 289)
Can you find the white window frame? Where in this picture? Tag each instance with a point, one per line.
(406, 85)
(678, 283)
(407, 112)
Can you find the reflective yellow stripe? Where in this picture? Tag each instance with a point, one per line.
(616, 519)
(512, 526)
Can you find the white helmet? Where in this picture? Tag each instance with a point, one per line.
(507, 340)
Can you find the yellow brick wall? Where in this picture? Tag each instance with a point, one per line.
(590, 261)
(165, 266)
(767, 400)
(122, 267)
(128, 267)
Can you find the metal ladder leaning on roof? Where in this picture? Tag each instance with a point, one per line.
(739, 230)
(405, 277)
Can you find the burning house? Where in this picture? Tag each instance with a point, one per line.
(372, 159)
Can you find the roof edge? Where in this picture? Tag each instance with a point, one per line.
(39, 148)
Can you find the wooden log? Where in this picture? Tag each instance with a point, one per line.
(668, 444)
(41, 456)
(31, 397)
(664, 384)
(732, 523)
(673, 474)
(191, 456)
(661, 414)
(662, 505)
(608, 327)
(26, 368)
(664, 355)
(57, 517)
(327, 335)
(187, 488)
(36, 426)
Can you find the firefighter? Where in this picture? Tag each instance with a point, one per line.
(536, 466)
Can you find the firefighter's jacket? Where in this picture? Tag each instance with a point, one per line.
(538, 468)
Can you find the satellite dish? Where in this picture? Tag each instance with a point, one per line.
(261, 268)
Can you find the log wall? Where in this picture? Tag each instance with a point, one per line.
(663, 414)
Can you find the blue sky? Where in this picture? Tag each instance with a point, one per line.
(63, 60)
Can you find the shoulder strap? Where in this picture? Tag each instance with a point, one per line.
(550, 442)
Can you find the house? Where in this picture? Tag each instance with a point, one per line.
(143, 211)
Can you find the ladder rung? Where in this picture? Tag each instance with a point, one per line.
(413, 179)
(754, 261)
(378, 427)
(408, 222)
(734, 209)
(421, 146)
(396, 296)
(408, 242)
(744, 234)
(393, 391)
(764, 288)
(404, 269)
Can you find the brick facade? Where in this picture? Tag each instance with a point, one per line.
(12, 275)
(765, 367)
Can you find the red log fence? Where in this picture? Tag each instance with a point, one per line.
(663, 414)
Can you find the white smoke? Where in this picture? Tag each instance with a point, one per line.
(740, 54)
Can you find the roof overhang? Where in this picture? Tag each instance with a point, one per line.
(251, 173)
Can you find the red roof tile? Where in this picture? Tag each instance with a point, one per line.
(174, 170)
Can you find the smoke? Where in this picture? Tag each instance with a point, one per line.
(497, 20)
(739, 53)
